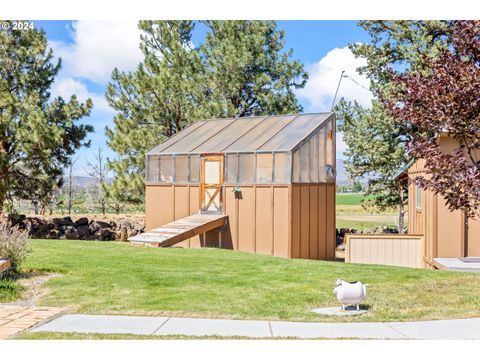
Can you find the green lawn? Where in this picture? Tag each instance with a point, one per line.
(117, 278)
(26, 335)
(349, 198)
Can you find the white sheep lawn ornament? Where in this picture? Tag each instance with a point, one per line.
(350, 293)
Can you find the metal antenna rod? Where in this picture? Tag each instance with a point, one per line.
(338, 87)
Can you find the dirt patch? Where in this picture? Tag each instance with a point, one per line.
(33, 283)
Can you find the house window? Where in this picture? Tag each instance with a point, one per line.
(418, 196)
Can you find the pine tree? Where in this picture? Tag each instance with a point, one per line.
(153, 102)
(240, 70)
(38, 134)
(376, 143)
(247, 71)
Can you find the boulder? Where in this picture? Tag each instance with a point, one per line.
(71, 233)
(131, 233)
(66, 221)
(140, 227)
(125, 224)
(98, 225)
(54, 234)
(103, 234)
(81, 222)
(102, 225)
(83, 231)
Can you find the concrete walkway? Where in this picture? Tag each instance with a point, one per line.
(143, 325)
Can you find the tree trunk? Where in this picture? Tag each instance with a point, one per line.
(401, 209)
(2, 200)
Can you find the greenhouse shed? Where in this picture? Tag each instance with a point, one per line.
(263, 184)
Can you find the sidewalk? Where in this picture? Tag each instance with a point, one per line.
(142, 325)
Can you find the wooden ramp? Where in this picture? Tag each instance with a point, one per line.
(179, 230)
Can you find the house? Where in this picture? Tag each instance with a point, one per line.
(262, 184)
(437, 237)
(446, 234)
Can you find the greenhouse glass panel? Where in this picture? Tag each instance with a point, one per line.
(296, 166)
(304, 163)
(330, 152)
(194, 175)
(313, 143)
(181, 168)
(178, 136)
(264, 168)
(246, 168)
(294, 132)
(166, 169)
(153, 162)
(228, 135)
(282, 168)
(195, 138)
(231, 168)
(322, 154)
(260, 134)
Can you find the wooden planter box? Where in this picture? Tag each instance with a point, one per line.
(4, 266)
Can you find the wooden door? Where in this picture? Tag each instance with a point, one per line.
(211, 200)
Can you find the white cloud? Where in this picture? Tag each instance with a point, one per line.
(324, 76)
(66, 87)
(98, 47)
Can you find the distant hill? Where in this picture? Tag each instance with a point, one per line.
(83, 181)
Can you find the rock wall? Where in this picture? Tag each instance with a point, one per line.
(83, 228)
(384, 229)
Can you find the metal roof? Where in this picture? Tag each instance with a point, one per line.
(246, 134)
(403, 169)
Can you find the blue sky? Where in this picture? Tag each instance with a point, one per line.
(91, 49)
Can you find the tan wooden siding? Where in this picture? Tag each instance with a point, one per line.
(295, 222)
(313, 221)
(194, 200)
(264, 220)
(159, 206)
(450, 229)
(246, 219)
(281, 220)
(443, 229)
(474, 237)
(166, 203)
(322, 219)
(259, 218)
(395, 250)
(330, 222)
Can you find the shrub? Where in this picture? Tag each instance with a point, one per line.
(14, 245)
(9, 290)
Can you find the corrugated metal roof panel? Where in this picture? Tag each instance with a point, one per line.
(195, 138)
(173, 139)
(294, 132)
(229, 135)
(252, 134)
(260, 134)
